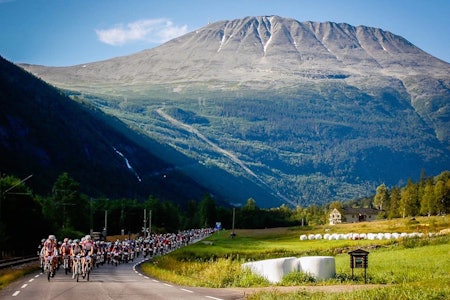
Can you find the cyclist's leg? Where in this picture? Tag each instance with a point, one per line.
(74, 265)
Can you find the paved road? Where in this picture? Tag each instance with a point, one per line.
(108, 282)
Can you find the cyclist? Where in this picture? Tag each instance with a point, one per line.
(65, 253)
(40, 252)
(75, 250)
(88, 250)
(51, 252)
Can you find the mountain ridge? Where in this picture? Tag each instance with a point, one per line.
(332, 50)
(312, 107)
(44, 133)
(327, 40)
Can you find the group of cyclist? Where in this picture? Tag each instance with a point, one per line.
(53, 253)
(94, 253)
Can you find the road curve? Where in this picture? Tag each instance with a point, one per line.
(109, 283)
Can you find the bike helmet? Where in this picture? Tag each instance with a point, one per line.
(76, 241)
(51, 237)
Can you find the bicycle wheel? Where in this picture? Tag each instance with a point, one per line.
(49, 272)
(78, 270)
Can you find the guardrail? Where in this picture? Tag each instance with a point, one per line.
(17, 261)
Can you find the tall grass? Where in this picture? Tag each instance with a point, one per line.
(416, 268)
(218, 273)
(398, 292)
(9, 275)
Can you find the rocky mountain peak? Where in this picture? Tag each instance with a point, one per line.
(255, 48)
(283, 101)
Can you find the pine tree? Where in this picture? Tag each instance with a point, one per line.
(394, 200)
(428, 200)
(409, 200)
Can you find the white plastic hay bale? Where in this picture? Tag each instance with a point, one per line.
(303, 237)
(273, 269)
(334, 236)
(356, 236)
(387, 236)
(318, 236)
(403, 235)
(320, 267)
(311, 237)
(362, 236)
(326, 236)
(395, 235)
(370, 236)
(341, 237)
(380, 236)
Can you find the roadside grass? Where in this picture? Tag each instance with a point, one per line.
(411, 268)
(9, 275)
(398, 292)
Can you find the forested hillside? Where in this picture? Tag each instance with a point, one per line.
(44, 133)
(282, 111)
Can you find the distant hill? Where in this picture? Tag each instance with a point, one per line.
(44, 133)
(308, 112)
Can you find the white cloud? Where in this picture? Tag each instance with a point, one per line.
(151, 30)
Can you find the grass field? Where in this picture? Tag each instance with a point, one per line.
(413, 268)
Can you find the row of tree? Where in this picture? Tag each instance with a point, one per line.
(26, 218)
(428, 196)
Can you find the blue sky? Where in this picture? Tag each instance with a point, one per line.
(70, 32)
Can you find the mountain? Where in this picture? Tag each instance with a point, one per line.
(309, 112)
(44, 133)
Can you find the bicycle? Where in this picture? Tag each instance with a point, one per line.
(66, 264)
(42, 264)
(77, 267)
(116, 258)
(87, 267)
(48, 268)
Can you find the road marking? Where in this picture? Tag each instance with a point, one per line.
(210, 297)
(166, 284)
(154, 280)
(16, 293)
(187, 290)
(31, 280)
(24, 286)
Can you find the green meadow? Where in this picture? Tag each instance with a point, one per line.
(408, 268)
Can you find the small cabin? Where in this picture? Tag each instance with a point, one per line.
(353, 215)
(335, 217)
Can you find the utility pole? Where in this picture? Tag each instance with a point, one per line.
(106, 223)
(145, 222)
(232, 233)
(150, 222)
(91, 218)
